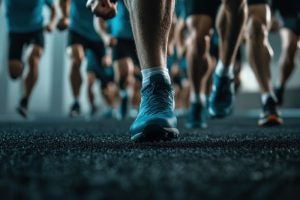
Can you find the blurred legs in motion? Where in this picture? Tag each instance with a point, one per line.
(259, 54)
(230, 23)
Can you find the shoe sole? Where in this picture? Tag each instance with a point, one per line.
(196, 126)
(155, 133)
(74, 114)
(214, 115)
(272, 120)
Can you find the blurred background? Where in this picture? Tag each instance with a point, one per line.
(52, 96)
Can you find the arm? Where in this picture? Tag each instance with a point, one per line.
(51, 24)
(101, 28)
(64, 6)
(103, 8)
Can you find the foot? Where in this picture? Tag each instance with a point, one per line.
(93, 111)
(22, 111)
(109, 113)
(196, 116)
(22, 108)
(222, 97)
(270, 115)
(156, 120)
(75, 110)
(279, 92)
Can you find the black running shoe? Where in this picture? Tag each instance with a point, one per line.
(22, 111)
(270, 115)
(75, 110)
(22, 108)
(279, 92)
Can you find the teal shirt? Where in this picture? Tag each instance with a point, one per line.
(82, 20)
(119, 26)
(180, 8)
(25, 16)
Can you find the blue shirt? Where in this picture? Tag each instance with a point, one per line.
(180, 9)
(82, 20)
(119, 26)
(25, 16)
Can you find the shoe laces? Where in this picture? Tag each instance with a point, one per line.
(157, 97)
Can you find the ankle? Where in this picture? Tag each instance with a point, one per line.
(150, 72)
(224, 71)
(24, 102)
(198, 98)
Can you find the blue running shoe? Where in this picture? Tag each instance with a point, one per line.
(222, 97)
(197, 116)
(156, 120)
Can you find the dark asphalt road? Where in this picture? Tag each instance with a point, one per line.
(233, 159)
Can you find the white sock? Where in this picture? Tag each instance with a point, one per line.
(198, 98)
(222, 71)
(266, 95)
(149, 72)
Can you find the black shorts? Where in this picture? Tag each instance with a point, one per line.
(253, 2)
(17, 41)
(287, 8)
(290, 12)
(203, 7)
(104, 74)
(97, 47)
(125, 48)
(292, 23)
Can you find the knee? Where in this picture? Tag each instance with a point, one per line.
(35, 57)
(15, 69)
(257, 31)
(203, 41)
(76, 63)
(200, 31)
(124, 68)
(76, 54)
(199, 42)
(91, 80)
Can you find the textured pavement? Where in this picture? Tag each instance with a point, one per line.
(232, 159)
